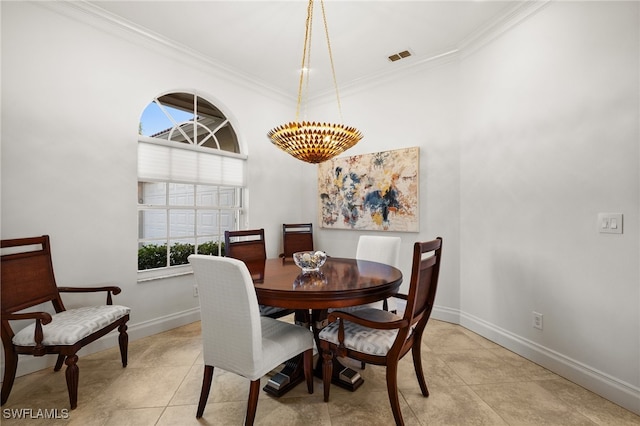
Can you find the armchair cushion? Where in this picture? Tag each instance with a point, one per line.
(71, 326)
(272, 311)
(364, 339)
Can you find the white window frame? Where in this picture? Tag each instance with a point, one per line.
(169, 162)
(234, 212)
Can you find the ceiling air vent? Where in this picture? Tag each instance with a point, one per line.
(400, 55)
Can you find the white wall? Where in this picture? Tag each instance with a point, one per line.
(522, 140)
(72, 96)
(406, 110)
(549, 139)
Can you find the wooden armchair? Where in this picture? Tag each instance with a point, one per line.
(296, 237)
(27, 281)
(379, 337)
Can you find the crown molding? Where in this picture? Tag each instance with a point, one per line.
(475, 41)
(391, 74)
(116, 25)
(512, 17)
(120, 27)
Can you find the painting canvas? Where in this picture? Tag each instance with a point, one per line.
(376, 192)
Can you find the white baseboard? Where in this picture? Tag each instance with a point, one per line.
(624, 394)
(30, 364)
(446, 314)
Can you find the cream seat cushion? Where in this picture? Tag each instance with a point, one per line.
(266, 310)
(68, 327)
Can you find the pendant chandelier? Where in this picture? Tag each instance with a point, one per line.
(314, 142)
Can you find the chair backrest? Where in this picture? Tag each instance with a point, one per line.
(248, 246)
(229, 312)
(424, 281)
(245, 245)
(296, 237)
(382, 249)
(27, 277)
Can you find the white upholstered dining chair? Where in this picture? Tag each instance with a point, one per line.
(235, 337)
(382, 249)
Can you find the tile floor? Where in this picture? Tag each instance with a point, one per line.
(472, 381)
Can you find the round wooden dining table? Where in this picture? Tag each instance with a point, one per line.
(339, 283)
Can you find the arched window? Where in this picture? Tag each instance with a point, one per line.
(191, 179)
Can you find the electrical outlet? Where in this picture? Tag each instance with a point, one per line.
(537, 320)
(195, 290)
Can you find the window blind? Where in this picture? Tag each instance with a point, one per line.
(166, 163)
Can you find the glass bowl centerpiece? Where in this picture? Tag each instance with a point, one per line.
(310, 279)
(309, 261)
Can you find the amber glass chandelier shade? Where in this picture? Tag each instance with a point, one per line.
(314, 142)
(311, 141)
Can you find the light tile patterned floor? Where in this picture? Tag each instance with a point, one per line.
(472, 381)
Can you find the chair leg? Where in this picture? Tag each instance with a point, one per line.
(73, 376)
(252, 405)
(327, 371)
(59, 362)
(308, 369)
(123, 340)
(207, 378)
(10, 367)
(392, 390)
(417, 365)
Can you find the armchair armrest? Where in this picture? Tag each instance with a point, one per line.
(44, 317)
(41, 318)
(380, 325)
(109, 289)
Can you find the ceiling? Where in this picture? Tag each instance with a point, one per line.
(263, 40)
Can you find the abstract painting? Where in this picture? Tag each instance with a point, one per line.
(374, 192)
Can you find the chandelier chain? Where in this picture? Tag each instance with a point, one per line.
(310, 141)
(305, 66)
(306, 58)
(333, 69)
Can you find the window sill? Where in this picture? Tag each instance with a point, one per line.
(162, 273)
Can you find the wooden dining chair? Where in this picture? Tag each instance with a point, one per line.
(253, 345)
(380, 337)
(28, 281)
(296, 237)
(249, 246)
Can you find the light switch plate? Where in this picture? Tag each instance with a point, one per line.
(610, 223)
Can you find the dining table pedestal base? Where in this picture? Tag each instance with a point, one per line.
(289, 377)
(293, 373)
(342, 376)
